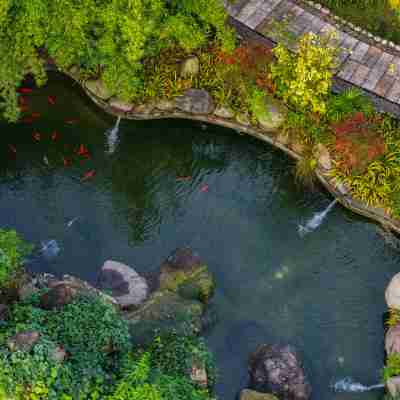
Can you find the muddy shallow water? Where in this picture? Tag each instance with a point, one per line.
(232, 199)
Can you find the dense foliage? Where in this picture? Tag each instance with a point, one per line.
(101, 362)
(101, 37)
(12, 252)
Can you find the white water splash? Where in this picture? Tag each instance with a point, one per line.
(49, 248)
(112, 137)
(315, 221)
(348, 385)
(73, 220)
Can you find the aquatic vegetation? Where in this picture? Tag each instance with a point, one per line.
(392, 367)
(305, 170)
(393, 318)
(13, 250)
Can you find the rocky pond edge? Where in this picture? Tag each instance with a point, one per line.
(268, 132)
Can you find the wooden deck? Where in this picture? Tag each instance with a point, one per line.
(360, 64)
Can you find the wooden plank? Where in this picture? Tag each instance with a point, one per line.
(360, 75)
(394, 92)
(359, 51)
(348, 69)
(378, 71)
(248, 10)
(256, 18)
(384, 85)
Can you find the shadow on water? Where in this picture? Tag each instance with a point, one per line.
(233, 199)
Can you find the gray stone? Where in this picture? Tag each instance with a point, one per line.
(392, 293)
(59, 354)
(120, 105)
(165, 105)
(323, 156)
(23, 341)
(58, 296)
(278, 370)
(271, 117)
(125, 285)
(98, 88)
(145, 109)
(248, 394)
(198, 374)
(224, 112)
(392, 340)
(190, 67)
(195, 101)
(393, 386)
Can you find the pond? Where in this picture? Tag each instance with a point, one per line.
(231, 198)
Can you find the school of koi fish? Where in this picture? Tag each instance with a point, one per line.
(31, 117)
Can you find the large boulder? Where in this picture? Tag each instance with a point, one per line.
(98, 88)
(190, 67)
(162, 312)
(248, 394)
(271, 116)
(23, 341)
(184, 272)
(123, 283)
(392, 340)
(195, 101)
(57, 296)
(392, 293)
(278, 370)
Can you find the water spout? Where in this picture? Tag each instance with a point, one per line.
(112, 137)
(348, 385)
(315, 221)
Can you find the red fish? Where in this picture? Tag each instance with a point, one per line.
(66, 162)
(24, 90)
(12, 148)
(51, 100)
(22, 100)
(89, 174)
(27, 120)
(82, 151)
(71, 121)
(35, 115)
(36, 136)
(23, 108)
(55, 135)
(204, 188)
(183, 178)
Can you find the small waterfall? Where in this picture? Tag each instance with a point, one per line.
(348, 385)
(112, 137)
(315, 221)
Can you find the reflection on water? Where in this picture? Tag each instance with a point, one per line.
(322, 293)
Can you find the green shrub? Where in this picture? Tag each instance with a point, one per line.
(13, 250)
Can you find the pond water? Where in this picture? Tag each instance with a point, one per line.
(240, 210)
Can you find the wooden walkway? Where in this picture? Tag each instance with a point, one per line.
(361, 64)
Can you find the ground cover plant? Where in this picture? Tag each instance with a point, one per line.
(100, 360)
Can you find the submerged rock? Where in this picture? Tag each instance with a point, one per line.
(392, 293)
(195, 101)
(163, 311)
(190, 67)
(392, 340)
(23, 341)
(123, 283)
(248, 394)
(98, 88)
(183, 272)
(278, 370)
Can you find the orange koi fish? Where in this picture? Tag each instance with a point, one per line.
(36, 136)
(55, 136)
(183, 178)
(51, 100)
(12, 148)
(35, 115)
(23, 108)
(66, 162)
(22, 100)
(89, 174)
(24, 90)
(82, 151)
(27, 120)
(204, 188)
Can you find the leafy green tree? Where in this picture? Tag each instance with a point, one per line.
(108, 37)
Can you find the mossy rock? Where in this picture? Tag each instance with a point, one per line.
(183, 272)
(164, 311)
(270, 116)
